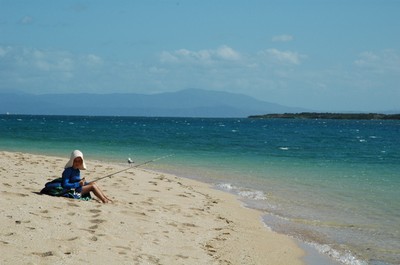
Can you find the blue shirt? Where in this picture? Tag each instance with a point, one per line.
(71, 178)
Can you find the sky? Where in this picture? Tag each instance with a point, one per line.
(323, 55)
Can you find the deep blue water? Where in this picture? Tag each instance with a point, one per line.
(332, 183)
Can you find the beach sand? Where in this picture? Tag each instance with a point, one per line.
(156, 218)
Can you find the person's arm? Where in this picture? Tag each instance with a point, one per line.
(66, 183)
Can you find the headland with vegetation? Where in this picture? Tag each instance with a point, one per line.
(327, 115)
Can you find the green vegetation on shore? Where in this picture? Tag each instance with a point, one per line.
(338, 116)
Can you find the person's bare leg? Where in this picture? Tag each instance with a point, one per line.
(93, 187)
(100, 191)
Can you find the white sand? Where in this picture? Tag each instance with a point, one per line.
(156, 218)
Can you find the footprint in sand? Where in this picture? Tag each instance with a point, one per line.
(148, 202)
(44, 254)
(173, 224)
(94, 227)
(97, 221)
(7, 235)
(15, 194)
(182, 257)
(18, 222)
(197, 210)
(189, 225)
(123, 250)
(210, 249)
(153, 182)
(73, 204)
(161, 177)
(96, 213)
(140, 213)
(225, 219)
(147, 259)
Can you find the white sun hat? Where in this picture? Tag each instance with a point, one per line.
(74, 155)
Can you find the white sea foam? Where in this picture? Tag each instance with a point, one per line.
(243, 192)
(345, 258)
(225, 186)
(284, 148)
(253, 194)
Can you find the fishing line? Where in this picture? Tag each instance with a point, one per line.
(130, 161)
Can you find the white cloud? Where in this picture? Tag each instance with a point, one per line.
(50, 60)
(384, 61)
(223, 53)
(283, 57)
(282, 38)
(28, 60)
(48, 70)
(269, 72)
(79, 7)
(4, 51)
(366, 58)
(93, 60)
(26, 20)
(158, 70)
(228, 53)
(168, 57)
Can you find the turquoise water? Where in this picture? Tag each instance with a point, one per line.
(333, 184)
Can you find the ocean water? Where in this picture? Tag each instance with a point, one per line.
(333, 184)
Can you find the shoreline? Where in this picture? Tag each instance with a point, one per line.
(296, 171)
(157, 218)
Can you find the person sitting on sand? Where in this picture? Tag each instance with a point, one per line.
(71, 178)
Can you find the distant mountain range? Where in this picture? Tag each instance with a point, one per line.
(185, 103)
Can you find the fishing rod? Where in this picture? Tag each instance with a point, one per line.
(130, 161)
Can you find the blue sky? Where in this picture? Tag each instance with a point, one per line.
(325, 55)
